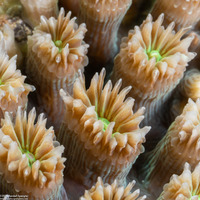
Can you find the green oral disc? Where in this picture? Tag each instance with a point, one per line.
(58, 43)
(105, 122)
(155, 54)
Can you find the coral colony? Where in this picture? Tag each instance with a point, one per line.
(100, 99)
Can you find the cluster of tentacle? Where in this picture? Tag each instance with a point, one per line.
(13, 90)
(112, 192)
(30, 157)
(183, 187)
(184, 133)
(104, 119)
(190, 85)
(59, 44)
(180, 144)
(154, 54)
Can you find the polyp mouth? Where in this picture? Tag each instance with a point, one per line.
(30, 156)
(155, 54)
(105, 123)
(58, 44)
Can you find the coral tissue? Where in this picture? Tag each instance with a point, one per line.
(103, 18)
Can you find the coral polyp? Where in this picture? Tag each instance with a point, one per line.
(13, 91)
(56, 51)
(30, 158)
(152, 59)
(104, 128)
(155, 55)
(111, 192)
(185, 186)
(178, 146)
